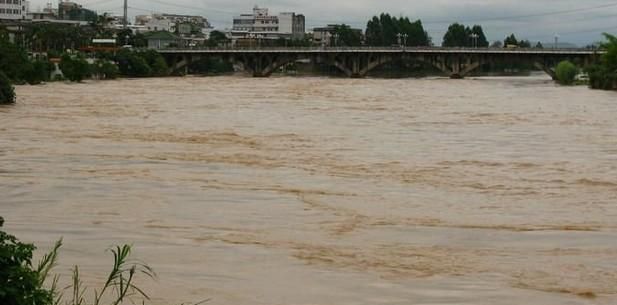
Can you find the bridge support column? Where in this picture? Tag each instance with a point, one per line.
(547, 69)
(358, 65)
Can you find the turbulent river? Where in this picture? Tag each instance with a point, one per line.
(320, 191)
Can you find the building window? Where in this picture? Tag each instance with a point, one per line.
(1, 11)
(1, 1)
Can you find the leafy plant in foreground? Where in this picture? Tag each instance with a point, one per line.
(21, 283)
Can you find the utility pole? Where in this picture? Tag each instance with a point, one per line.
(125, 22)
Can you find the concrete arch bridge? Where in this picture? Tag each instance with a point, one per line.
(357, 62)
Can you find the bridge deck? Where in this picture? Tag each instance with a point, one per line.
(397, 50)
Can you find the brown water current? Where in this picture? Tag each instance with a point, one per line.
(319, 191)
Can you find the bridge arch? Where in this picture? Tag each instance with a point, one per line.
(357, 66)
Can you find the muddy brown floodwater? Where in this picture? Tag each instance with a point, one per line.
(319, 191)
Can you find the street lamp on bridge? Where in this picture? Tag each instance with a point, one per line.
(336, 37)
(402, 39)
(474, 40)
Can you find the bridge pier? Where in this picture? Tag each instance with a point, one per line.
(546, 68)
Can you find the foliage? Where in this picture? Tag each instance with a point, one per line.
(7, 93)
(106, 69)
(38, 72)
(156, 62)
(510, 41)
(75, 68)
(127, 37)
(539, 45)
(459, 35)
(610, 58)
(344, 36)
(120, 280)
(141, 63)
(131, 64)
(44, 37)
(524, 44)
(14, 61)
(20, 282)
(383, 31)
(217, 39)
(566, 72)
(604, 75)
(210, 65)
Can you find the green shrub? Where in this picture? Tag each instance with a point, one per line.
(566, 72)
(156, 62)
(106, 69)
(604, 74)
(38, 72)
(131, 64)
(7, 93)
(601, 77)
(20, 282)
(74, 68)
(159, 67)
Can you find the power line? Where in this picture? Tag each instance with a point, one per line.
(544, 14)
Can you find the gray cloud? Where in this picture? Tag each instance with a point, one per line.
(579, 27)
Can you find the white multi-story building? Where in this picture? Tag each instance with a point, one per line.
(13, 9)
(261, 25)
(173, 23)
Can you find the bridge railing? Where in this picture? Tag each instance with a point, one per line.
(380, 49)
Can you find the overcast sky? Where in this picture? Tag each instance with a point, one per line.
(575, 21)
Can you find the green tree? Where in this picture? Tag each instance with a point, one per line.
(7, 93)
(524, 44)
(481, 41)
(344, 35)
(566, 72)
(510, 41)
(385, 29)
(216, 39)
(14, 61)
(456, 36)
(459, 35)
(539, 45)
(374, 32)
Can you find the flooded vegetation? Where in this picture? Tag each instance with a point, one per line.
(323, 190)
